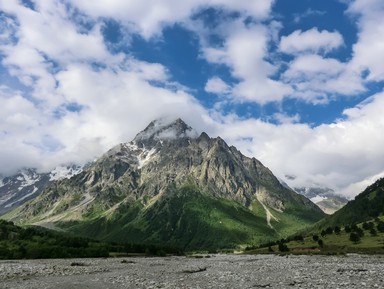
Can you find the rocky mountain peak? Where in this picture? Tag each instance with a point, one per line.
(161, 130)
(171, 186)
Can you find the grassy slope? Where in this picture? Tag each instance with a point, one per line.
(367, 205)
(291, 220)
(186, 218)
(364, 208)
(334, 244)
(190, 219)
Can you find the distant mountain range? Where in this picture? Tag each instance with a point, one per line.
(27, 184)
(366, 206)
(169, 186)
(324, 197)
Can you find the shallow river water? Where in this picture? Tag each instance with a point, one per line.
(213, 271)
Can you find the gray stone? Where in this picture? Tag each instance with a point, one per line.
(223, 271)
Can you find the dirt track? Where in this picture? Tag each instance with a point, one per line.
(218, 271)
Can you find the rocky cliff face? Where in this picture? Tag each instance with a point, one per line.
(128, 183)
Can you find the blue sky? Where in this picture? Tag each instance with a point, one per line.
(296, 84)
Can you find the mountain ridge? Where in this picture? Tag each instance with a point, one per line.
(135, 185)
(367, 205)
(325, 198)
(28, 183)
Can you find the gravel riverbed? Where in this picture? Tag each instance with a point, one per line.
(213, 271)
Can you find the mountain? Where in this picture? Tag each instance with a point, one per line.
(27, 184)
(20, 188)
(358, 227)
(366, 206)
(325, 198)
(172, 186)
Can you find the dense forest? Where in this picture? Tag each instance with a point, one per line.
(36, 243)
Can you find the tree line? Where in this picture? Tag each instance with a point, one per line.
(37, 243)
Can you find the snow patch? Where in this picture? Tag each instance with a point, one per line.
(132, 146)
(35, 189)
(318, 199)
(144, 157)
(63, 172)
(27, 179)
(5, 198)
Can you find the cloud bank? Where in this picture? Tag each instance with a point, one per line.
(67, 95)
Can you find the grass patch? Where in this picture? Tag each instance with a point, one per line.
(330, 243)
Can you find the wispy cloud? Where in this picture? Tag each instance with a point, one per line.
(308, 13)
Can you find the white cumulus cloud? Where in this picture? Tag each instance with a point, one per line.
(368, 51)
(149, 17)
(217, 85)
(244, 51)
(342, 155)
(311, 40)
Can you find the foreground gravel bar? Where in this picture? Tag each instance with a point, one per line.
(215, 271)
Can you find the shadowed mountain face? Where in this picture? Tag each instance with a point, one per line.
(172, 186)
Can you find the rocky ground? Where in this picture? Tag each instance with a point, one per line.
(214, 271)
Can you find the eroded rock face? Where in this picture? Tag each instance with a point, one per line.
(269, 200)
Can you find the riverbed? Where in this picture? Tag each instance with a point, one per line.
(208, 271)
